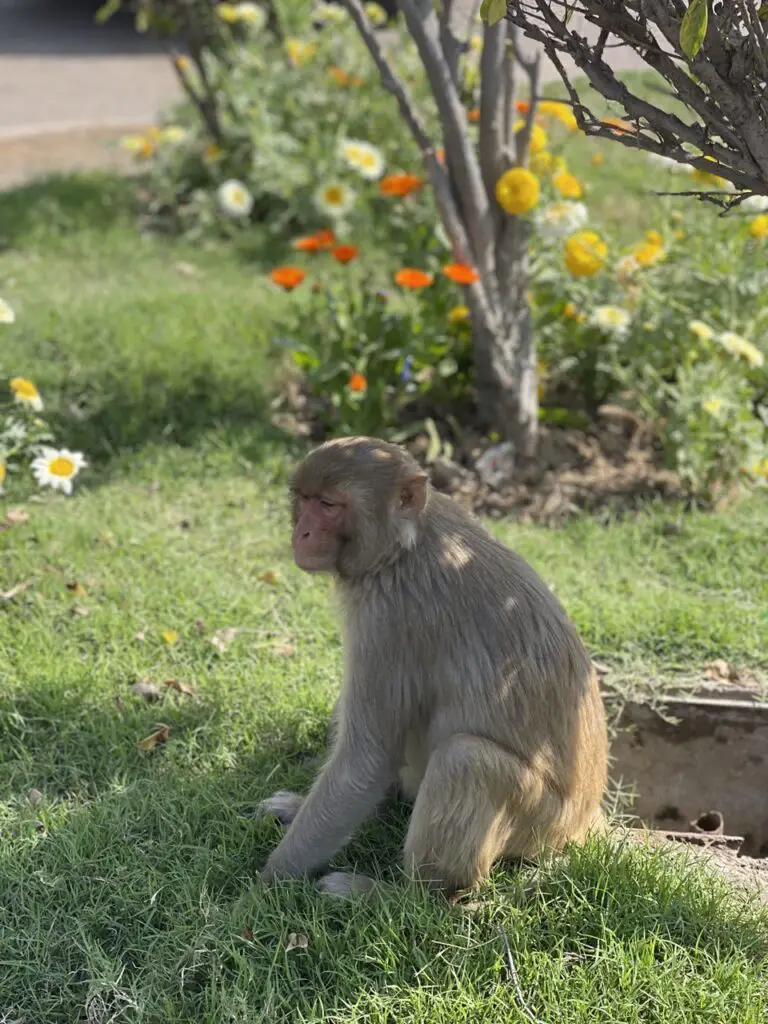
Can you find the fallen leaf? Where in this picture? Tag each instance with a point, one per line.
(76, 588)
(602, 670)
(141, 636)
(284, 649)
(188, 269)
(170, 637)
(246, 934)
(269, 576)
(16, 516)
(78, 609)
(296, 941)
(149, 691)
(720, 669)
(184, 688)
(200, 625)
(185, 524)
(17, 588)
(222, 638)
(160, 735)
(34, 796)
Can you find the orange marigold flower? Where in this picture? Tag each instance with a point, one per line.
(287, 277)
(474, 114)
(339, 75)
(410, 277)
(522, 106)
(440, 155)
(325, 238)
(308, 243)
(461, 273)
(400, 184)
(345, 253)
(357, 382)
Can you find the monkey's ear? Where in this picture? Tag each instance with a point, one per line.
(413, 495)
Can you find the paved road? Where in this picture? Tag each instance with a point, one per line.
(69, 87)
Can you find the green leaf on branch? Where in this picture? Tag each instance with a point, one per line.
(493, 10)
(693, 28)
(105, 12)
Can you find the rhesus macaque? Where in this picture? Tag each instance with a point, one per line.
(465, 683)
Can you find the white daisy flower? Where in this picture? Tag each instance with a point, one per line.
(702, 331)
(26, 393)
(611, 320)
(334, 198)
(562, 218)
(741, 348)
(234, 198)
(7, 316)
(57, 468)
(755, 204)
(364, 158)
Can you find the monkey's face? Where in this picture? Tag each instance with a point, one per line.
(318, 532)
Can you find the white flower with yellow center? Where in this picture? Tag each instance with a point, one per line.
(57, 468)
(25, 393)
(741, 348)
(7, 316)
(702, 331)
(330, 14)
(376, 14)
(611, 320)
(755, 204)
(364, 158)
(254, 16)
(234, 198)
(334, 198)
(562, 218)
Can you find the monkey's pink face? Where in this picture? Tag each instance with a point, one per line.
(319, 532)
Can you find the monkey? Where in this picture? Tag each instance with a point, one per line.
(466, 687)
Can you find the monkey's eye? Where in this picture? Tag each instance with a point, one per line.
(326, 504)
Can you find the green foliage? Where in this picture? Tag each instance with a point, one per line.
(693, 27)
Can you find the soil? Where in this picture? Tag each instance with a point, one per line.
(613, 465)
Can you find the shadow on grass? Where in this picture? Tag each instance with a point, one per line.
(62, 204)
(142, 890)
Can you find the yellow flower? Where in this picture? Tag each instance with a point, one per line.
(458, 314)
(170, 636)
(561, 111)
(598, 159)
(299, 52)
(712, 405)
(517, 190)
(142, 146)
(647, 254)
(376, 14)
(758, 228)
(213, 152)
(585, 253)
(25, 392)
(541, 163)
(758, 468)
(7, 316)
(741, 348)
(183, 63)
(702, 331)
(569, 311)
(568, 185)
(653, 238)
(707, 178)
(538, 140)
(227, 12)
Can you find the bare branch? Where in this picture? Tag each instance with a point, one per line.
(492, 106)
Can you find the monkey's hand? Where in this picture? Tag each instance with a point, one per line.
(281, 805)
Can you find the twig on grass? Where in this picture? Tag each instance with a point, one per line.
(527, 1011)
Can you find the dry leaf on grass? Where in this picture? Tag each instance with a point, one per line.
(76, 588)
(200, 626)
(170, 637)
(16, 517)
(296, 941)
(34, 796)
(160, 735)
(721, 670)
(222, 638)
(141, 636)
(149, 691)
(246, 934)
(174, 684)
(15, 590)
(269, 576)
(284, 649)
(78, 609)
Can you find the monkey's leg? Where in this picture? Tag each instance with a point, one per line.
(474, 798)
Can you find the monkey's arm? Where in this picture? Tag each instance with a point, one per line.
(353, 782)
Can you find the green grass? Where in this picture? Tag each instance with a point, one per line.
(124, 893)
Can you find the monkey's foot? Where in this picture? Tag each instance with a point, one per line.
(344, 884)
(282, 805)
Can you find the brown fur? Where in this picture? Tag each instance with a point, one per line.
(465, 681)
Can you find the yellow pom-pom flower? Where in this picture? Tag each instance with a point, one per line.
(585, 253)
(517, 190)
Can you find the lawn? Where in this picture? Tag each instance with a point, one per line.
(125, 873)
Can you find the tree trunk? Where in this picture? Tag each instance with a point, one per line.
(505, 350)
